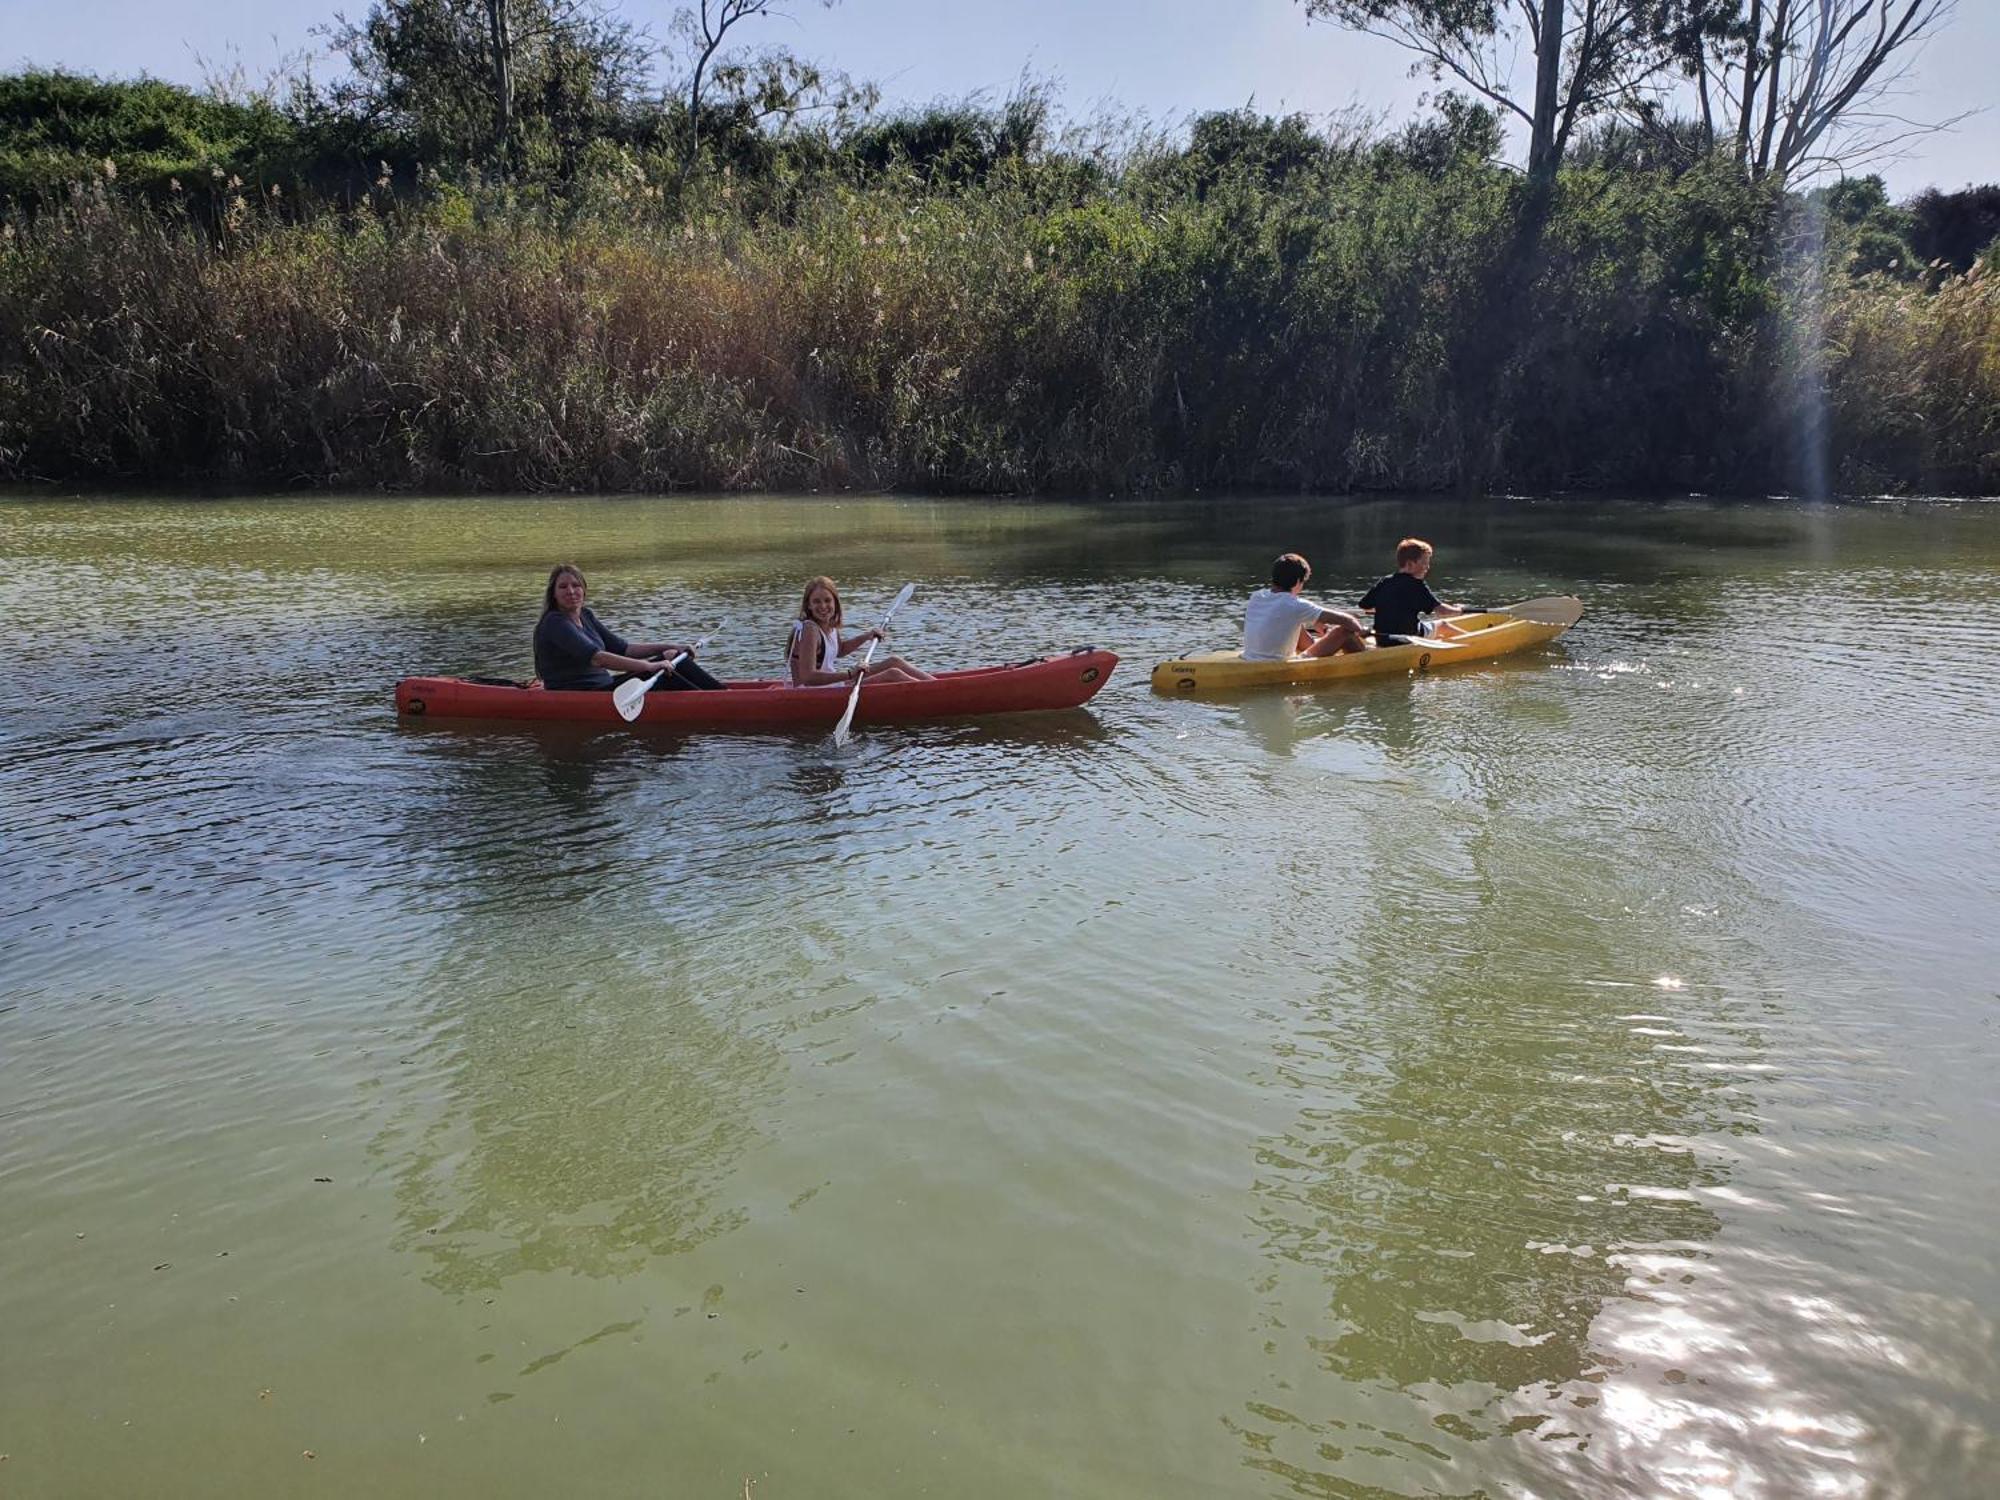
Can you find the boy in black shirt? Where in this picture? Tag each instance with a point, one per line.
(1400, 598)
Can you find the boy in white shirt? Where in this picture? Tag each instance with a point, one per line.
(1279, 624)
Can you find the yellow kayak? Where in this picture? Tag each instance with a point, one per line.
(1495, 632)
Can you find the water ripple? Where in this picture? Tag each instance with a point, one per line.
(1570, 1076)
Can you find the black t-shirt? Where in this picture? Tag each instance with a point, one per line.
(563, 651)
(1397, 601)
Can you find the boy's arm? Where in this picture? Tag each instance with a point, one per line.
(1437, 606)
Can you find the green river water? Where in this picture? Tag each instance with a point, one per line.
(1574, 1076)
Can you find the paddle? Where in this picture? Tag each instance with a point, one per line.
(1551, 609)
(629, 697)
(840, 730)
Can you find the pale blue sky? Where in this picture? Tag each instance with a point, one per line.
(1164, 58)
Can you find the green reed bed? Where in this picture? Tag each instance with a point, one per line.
(1033, 331)
(1914, 382)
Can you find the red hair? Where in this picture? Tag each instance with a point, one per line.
(1410, 548)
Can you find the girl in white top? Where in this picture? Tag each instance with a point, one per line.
(813, 654)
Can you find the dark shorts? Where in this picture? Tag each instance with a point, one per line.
(686, 677)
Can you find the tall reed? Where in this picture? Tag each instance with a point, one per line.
(1031, 331)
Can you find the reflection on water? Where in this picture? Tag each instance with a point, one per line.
(1569, 1076)
(1379, 715)
(588, 1121)
(1478, 1146)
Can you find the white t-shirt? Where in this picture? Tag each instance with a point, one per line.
(1271, 624)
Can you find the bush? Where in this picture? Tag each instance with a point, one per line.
(61, 128)
(951, 301)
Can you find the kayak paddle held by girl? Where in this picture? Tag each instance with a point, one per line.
(812, 654)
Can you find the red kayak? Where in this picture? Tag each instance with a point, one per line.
(1041, 683)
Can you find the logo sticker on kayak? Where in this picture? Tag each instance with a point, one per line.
(1090, 674)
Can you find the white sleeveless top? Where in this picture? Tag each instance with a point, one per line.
(829, 643)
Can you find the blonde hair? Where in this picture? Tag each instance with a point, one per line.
(805, 599)
(805, 610)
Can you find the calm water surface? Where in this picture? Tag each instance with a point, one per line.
(1572, 1077)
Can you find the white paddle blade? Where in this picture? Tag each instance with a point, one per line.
(630, 697)
(1553, 609)
(845, 727)
(846, 724)
(855, 695)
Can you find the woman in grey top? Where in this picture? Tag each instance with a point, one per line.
(577, 652)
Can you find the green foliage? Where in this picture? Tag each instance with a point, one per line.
(1866, 233)
(1463, 132)
(58, 128)
(1954, 228)
(1913, 384)
(949, 146)
(435, 74)
(1241, 143)
(1648, 374)
(955, 299)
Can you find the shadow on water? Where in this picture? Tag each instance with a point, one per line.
(589, 1114)
(1522, 1118)
(1599, 1038)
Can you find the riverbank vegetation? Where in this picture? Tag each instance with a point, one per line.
(344, 290)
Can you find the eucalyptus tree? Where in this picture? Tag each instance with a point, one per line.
(1591, 58)
(1799, 87)
(772, 85)
(465, 78)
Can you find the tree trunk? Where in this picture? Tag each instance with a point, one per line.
(1492, 336)
(1542, 155)
(1750, 76)
(1780, 40)
(503, 83)
(1491, 340)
